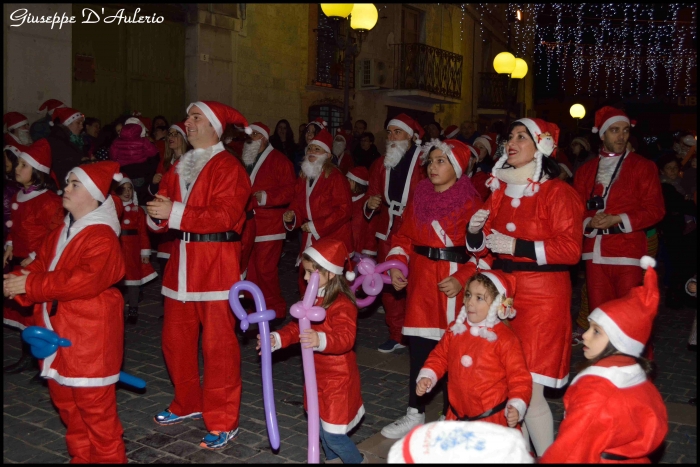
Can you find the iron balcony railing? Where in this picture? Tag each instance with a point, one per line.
(497, 91)
(426, 68)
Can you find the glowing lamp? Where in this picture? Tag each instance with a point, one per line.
(520, 69)
(504, 63)
(577, 111)
(363, 17)
(337, 10)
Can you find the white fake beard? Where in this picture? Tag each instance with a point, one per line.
(338, 148)
(313, 169)
(24, 138)
(250, 151)
(193, 162)
(395, 151)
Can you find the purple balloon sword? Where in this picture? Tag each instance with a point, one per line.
(263, 318)
(372, 280)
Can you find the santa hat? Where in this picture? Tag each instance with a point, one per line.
(180, 128)
(458, 153)
(628, 320)
(14, 120)
(324, 140)
(582, 141)
(261, 128)
(689, 140)
(50, 105)
(38, 155)
(408, 125)
(457, 442)
(220, 114)
(134, 198)
(607, 116)
(319, 122)
(501, 307)
(359, 175)
(145, 121)
(345, 134)
(16, 148)
(66, 115)
(451, 131)
(332, 256)
(139, 122)
(489, 142)
(546, 136)
(97, 177)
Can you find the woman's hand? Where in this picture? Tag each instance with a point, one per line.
(26, 262)
(145, 259)
(449, 286)
(15, 285)
(398, 280)
(423, 386)
(273, 343)
(8, 255)
(309, 339)
(288, 216)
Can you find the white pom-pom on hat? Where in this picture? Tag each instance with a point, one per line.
(646, 262)
(594, 130)
(117, 177)
(350, 275)
(466, 361)
(248, 130)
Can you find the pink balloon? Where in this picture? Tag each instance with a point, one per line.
(372, 280)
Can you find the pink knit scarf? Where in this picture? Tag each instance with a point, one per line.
(448, 206)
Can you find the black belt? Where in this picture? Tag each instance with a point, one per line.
(454, 254)
(249, 214)
(129, 232)
(507, 265)
(613, 457)
(612, 230)
(229, 236)
(488, 413)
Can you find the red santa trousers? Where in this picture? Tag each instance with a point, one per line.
(94, 433)
(262, 271)
(220, 398)
(394, 302)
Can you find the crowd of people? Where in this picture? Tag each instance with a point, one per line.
(491, 228)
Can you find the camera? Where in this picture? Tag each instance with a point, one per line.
(595, 203)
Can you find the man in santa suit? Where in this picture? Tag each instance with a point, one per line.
(622, 196)
(42, 127)
(16, 129)
(272, 179)
(340, 150)
(204, 199)
(392, 178)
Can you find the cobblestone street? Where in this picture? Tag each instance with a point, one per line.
(33, 432)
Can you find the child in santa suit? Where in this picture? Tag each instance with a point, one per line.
(613, 411)
(489, 380)
(339, 397)
(322, 206)
(430, 242)
(486, 147)
(75, 269)
(341, 151)
(35, 211)
(136, 247)
(363, 239)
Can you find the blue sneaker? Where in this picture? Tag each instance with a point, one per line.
(389, 346)
(218, 439)
(166, 417)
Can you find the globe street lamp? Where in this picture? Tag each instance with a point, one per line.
(577, 111)
(505, 63)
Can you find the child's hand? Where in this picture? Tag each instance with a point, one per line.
(288, 216)
(26, 262)
(512, 415)
(273, 343)
(8, 255)
(145, 259)
(423, 386)
(398, 280)
(309, 339)
(449, 286)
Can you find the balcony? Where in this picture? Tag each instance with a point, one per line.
(497, 92)
(427, 74)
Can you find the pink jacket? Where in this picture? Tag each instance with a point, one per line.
(130, 147)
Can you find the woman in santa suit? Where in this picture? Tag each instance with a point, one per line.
(322, 205)
(532, 224)
(75, 269)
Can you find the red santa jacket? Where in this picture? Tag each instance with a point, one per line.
(33, 216)
(273, 174)
(390, 212)
(339, 397)
(479, 180)
(135, 244)
(609, 407)
(428, 310)
(78, 271)
(326, 204)
(345, 162)
(482, 374)
(213, 203)
(635, 195)
(11, 139)
(363, 239)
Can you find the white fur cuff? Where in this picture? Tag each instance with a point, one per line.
(32, 255)
(175, 218)
(145, 252)
(278, 341)
(322, 342)
(519, 405)
(430, 374)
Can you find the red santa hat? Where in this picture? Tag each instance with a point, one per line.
(220, 114)
(458, 153)
(345, 134)
(489, 142)
(408, 125)
(145, 121)
(607, 116)
(261, 128)
(359, 174)
(332, 256)
(66, 115)
(15, 148)
(628, 320)
(97, 177)
(14, 120)
(180, 128)
(38, 155)
(324, 140)
(50, 105)
(451, 131)
(319, 122)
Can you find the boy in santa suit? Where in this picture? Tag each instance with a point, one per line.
(621, 193)
(272, 179)
(342, 152)
(16, 129)
(204, 199)
(322, 205)
(391, 178)
(70, 282)
(363, 239)
(614, 413)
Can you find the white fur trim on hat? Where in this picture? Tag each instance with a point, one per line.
(88, 183)
(487, 144)
(33, 162)
(314, 254)
(453, 133)
(320, 144)
(448, 152)
(18, 124)
(402, 125)
(610, 121)
(617, 336)
(211, 116)
(497, 282)
(72, 118)
(260, 130)
(179, 130)
(545, 146)
(357, 179)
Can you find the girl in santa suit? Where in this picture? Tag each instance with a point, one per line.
(532, 224)
(489, 380)
(613, 411)
(74, 270)
(339, 398)
(322, 205)
(135, 245)
(363, 238)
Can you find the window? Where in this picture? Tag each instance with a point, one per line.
(330, 113)
(330, 59)
(410, 26)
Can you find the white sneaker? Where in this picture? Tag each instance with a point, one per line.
(403, 425)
